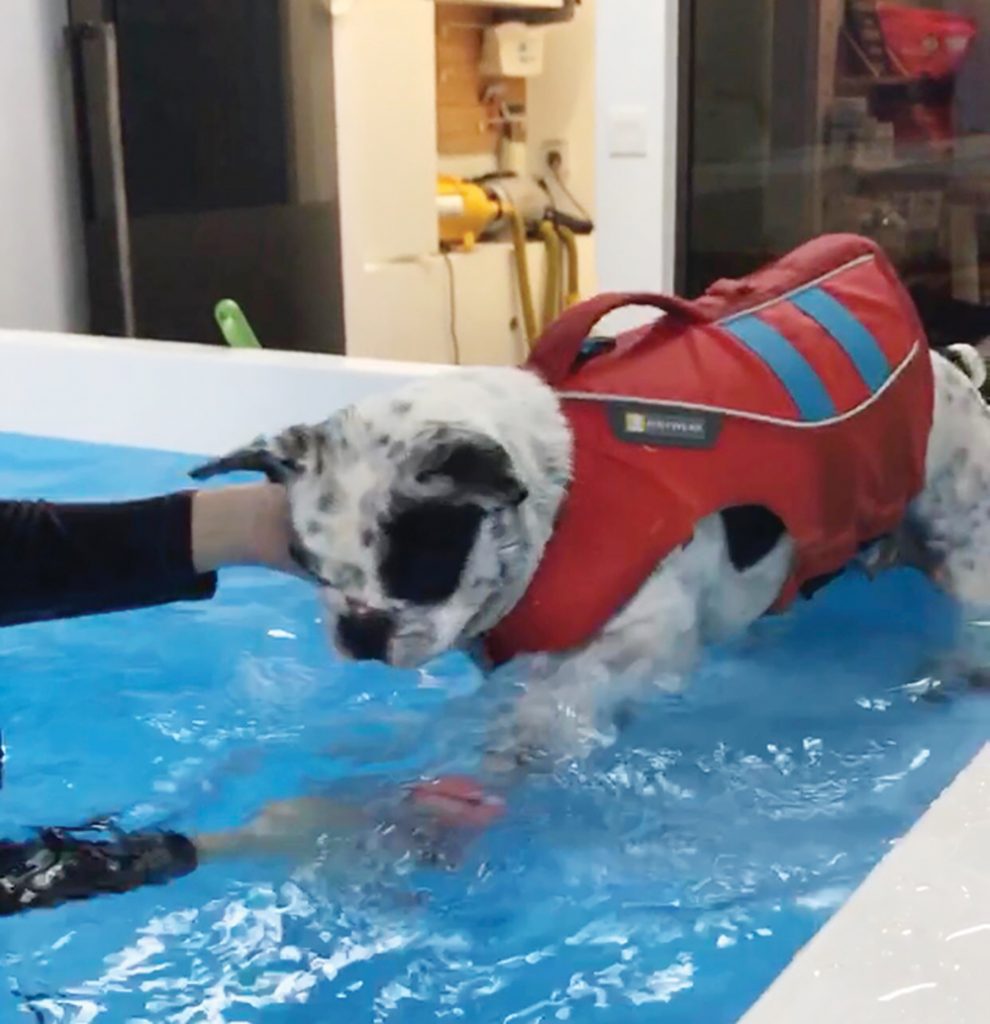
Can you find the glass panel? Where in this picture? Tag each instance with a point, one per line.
(841, 115)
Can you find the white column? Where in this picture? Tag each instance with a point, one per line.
(637, 146)
(42, 269)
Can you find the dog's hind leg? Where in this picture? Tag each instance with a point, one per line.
(953, 512)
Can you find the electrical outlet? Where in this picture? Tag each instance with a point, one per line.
(628, 132)
(549, 151)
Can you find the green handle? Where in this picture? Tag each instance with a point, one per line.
(234, 325)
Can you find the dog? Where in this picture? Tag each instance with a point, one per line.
(424, 516)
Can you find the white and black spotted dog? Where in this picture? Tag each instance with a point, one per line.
(424, 516)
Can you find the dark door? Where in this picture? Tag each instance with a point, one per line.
(209, 167)
(811, 116)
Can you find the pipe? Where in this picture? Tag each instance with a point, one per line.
(522, 273)
(573, 293)
(551, 296)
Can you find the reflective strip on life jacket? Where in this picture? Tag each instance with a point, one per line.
(797, 375)
(859, 344)
(836, 324)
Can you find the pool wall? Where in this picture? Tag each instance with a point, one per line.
(909, 946)
(175, 397)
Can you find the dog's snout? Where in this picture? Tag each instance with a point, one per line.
(364, 634)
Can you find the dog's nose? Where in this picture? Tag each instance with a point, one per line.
(364, 634)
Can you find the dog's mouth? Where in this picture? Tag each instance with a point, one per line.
(365, 635)
(381, 639)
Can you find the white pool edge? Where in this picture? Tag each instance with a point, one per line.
(186, 398)
(909, 944)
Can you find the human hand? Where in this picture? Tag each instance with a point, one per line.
(242, 525)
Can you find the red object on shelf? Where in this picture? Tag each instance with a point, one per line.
(925, 41)
(932, 123)
(925, 44)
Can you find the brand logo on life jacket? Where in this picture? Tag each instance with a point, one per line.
(664, 427)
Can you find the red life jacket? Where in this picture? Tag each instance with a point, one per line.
(805, 388)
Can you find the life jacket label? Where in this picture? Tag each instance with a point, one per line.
(667, 427)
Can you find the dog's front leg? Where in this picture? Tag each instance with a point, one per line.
(569, 702)
(556, 716)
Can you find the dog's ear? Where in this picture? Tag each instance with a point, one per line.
(280, 458)
(468, 466)
(255, 459)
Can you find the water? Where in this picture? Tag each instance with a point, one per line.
(669, 878)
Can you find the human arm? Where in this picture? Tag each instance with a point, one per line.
(65, 560)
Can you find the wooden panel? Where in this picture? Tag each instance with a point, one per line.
(464, 120)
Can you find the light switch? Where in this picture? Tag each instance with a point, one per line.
(628, 132)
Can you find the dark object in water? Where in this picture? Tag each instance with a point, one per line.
(58, 866)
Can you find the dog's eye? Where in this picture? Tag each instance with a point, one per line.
(427, 547)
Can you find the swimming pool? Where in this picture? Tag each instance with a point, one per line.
(669, 878)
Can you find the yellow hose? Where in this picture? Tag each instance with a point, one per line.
(522, 272)
(563, 270)
(573, 294)
(551, 297)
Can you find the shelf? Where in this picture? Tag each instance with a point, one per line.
(863, 82)
(544, 5)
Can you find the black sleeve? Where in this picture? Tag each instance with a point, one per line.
(59, 561)
(58, 866)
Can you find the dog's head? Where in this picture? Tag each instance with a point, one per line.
(416, 528)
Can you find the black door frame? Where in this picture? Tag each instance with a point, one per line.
(687, 10)
(91, 39)
(157, 269)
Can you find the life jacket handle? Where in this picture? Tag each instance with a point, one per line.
(558, 348)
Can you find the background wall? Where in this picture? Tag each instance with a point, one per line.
(402, 299)
(398, 296)
(42, 284)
